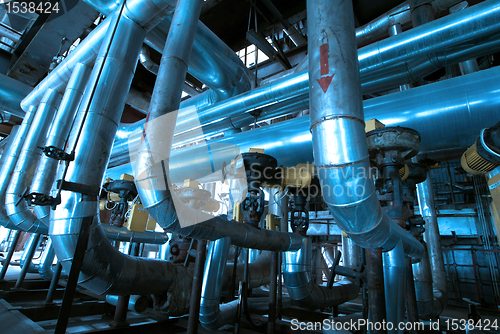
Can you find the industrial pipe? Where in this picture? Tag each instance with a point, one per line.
(151, 176)
(432, 238)
(61, 126)
(213, 314)
(336, 116)
(394, 286)
(104, 269)
(304, 291)
(9, 158)
(15, 203)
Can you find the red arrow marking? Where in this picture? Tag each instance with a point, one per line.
(325, 79)
(323, 52)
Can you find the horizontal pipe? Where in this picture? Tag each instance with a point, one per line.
(447, 114)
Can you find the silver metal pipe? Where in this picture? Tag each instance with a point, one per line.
(33, 268)
(432, 237)
(85, 53)
(212, 61)
(297, 274)
(15, 204)
(394, 286)
(46, 260)
(88, 49)
(212, 314)
(288, 94)
(104, 269)
(336, 116)
(61, 126)
(422, 277)
(9, 159)
(472, 23)
(136, 303)
(448, 114)
(151, 176)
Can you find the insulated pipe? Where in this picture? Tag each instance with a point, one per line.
(258, 272)
(471, 23)
(394, 286)
(47, 259)
(426, 303)
(61, 126)
(212, 314)
(432, 237)
(336, 116)
(104, 269)
(448, 115)
(151, 176)
(297, 273)
(15, 203)
(32, 268)
(139, 11)
(9, 158)
(287, 95)
(377, 29)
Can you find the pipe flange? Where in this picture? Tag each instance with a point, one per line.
(403, 140)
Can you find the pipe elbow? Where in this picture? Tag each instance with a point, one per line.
(21, 216)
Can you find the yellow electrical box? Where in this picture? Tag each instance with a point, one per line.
(273, 222)
(151, 225)
(190, 183)
(256, 150)
(237, 214)
(373, 124)
(299, 176)
(138, 219)
(126, 177)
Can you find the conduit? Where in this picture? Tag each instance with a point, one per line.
(15, 204)
(104, 269)
(336, 116)
(433, 306)
(297, 275)
(151, 175)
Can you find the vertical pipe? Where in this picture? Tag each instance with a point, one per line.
(376, 297)
(9, 163)
(394, 30)
(337, 122)
(17, 207)
(60, 129)
(29, 258)
(272, 294)
(194, 306)
(53, 284)
(423, 288)
(410, 297)
(10, 254)
(432, 237)
(421, 12)
(394, 284)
